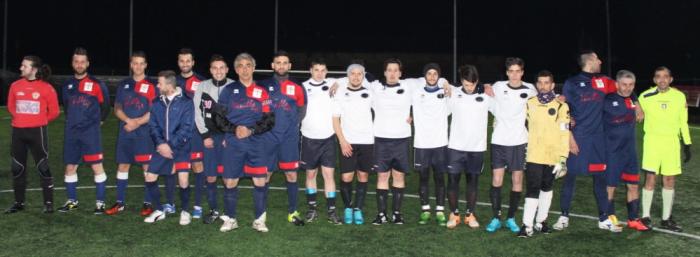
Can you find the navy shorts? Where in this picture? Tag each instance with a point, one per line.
(509, 157)
(246, 156)
(391, 153)
(285, 153)
(164, 166)
(468, 162)
(196, 148)
(362, 159)
(624, 166)
(435, 158)
(318, 152)
(591, 157)
(83, 146)
(213, 158)
(136, 150)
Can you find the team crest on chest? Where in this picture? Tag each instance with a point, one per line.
(257, 93)
(290, 89)
(599, 83)
(36, 95)
(143, 88)
(88, 86)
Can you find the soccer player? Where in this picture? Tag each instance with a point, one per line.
(132, 106)
(509, 140)
(620, 143)
(470, 108)
(288, 101)
(352, 123)
(585, 95)
(548, 147)
(248, 118)
(171, 134)
(666, 121)
(32, 103)
(430, 112)
(318, 142)
(189, 81)
(86, 104)
(206, 99)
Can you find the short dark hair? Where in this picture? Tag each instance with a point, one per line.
(169, 76)
(469, 73)
(280, 53)
(510, 61)
(184, 51)
(394, 61)
(663, 68)
(80, 51)
(317, 61)
(216, 58)
(545, 73)
(583, 57)
(141, 54)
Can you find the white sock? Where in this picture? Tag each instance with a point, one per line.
(545, 201)
(667, 197)
(529, 212)
(647, 198)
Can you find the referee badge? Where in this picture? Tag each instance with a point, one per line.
(664, 106)
(551, 111)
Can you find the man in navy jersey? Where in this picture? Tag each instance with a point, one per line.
(132, 106)
(189, 81)
(86, 105)
(288, 102)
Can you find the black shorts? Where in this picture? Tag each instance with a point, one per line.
(509, 157)
(391, 153)
(426, 158)
(468, 162)
(318, 152)
(362, 159)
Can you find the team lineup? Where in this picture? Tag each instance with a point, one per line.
(177, 123)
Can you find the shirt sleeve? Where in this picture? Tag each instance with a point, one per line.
(198, 116)
(563, 121)
(683, 120)
(52, 104)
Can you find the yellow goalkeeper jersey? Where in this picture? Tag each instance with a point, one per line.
(548, 131)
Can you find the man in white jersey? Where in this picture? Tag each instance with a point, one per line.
(318, 142)
(509, 140)
(352, 122)
(470, 108)
(430, 141)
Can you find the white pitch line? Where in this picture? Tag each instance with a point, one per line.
(588, 217)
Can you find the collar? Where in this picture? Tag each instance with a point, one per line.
(311, 82)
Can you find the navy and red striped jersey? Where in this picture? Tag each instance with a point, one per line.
(85, 102)
(287, 99)
(245, 105)
(189, 85)
(135, 99)
(619, 121)
(585, 94)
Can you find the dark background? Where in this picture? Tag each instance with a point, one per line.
(547, 34)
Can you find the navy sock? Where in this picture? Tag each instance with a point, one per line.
(72, 190)
(121, 190)
(259, 200)
(211, 195)
(170, 185)
(601, 195)
(146, 194)
(292, 193)
(633, 209)
(100, 189)
(199, 179)
(154, 194)
(185, 198)
(611, 207)
(567, 194)
(230, 201)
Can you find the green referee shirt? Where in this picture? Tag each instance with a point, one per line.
(665, 114)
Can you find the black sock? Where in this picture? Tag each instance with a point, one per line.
(19, 186)
(360, 193)
(382, 195)
(423, 186)
(472, 184)
(495, 195)
(514, 202)
(439, 178)
(47, 189)
(311, 199)
(346, 193)
(453, 191)
(397, 194)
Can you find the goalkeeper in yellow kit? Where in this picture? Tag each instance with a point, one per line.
(548, 147)
(665, 126)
